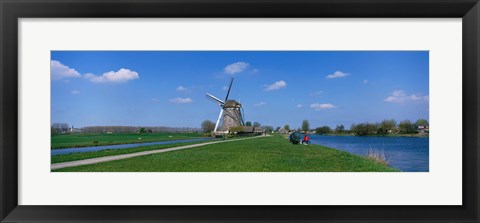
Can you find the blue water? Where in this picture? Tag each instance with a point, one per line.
(121, 146)
(409, 154)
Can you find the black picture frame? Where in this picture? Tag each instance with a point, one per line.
(11, 11)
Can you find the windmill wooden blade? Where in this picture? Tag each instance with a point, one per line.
(243, 116)
(229, 88)
(220, 102)
(218, 120)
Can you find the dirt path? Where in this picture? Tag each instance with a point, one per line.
(130, 155)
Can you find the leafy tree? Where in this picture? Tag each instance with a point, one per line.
(248, 123)
(364, 129)
(286, 127)
(387, 126)
(256, 124)
(268, 128)
(208, 126)
(382, 131)
(323, 130)
(421, 122)
(353, 127)
(340, 129)
(305, 125)
(142, 130)
(406, 127)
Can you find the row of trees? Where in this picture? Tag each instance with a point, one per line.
(63, 128)
(389, 126)
(136, 129)
(385, 127)
(59, 128)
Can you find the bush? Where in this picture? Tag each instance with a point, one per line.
(236, 129)
(377, 156)
(323, 130)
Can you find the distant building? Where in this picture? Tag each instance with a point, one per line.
(258, 129)
(422, 129)
(248, 128)
(74, 130)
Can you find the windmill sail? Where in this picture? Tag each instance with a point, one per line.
(220, 102)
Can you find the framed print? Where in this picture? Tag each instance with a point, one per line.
(239, 111)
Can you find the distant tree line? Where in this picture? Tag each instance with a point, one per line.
(136, 129)
(59, 128)
(64, 128)
(385, 127)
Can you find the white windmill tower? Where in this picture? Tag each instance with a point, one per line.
(231, 110)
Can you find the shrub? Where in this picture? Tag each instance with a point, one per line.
(377, 156)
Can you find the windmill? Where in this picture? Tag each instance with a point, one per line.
(231, 110)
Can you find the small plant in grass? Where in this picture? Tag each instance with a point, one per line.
(377, 155)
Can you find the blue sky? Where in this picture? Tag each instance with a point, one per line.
(167, 88)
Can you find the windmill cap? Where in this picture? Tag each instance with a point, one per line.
(232, 104)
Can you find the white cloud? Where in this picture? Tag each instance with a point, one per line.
(75, 92)
(155, 100)
(59, 71)
(122, 75)
(365, 81)
(318, 106)
(181, 100)
(276, 86)
(337, 74)
(260, 104)
(299, 106)
(399, 96)
(254, 71)
(224, 88)
(182, 89)
(317, 93)
(236, 67)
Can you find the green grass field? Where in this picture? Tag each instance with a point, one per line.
(83, 140)
(266, 154)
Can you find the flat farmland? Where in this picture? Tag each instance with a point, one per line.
(84, 140)
(265, 154)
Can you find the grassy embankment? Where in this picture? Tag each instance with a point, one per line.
(389, 135)
(266, 154)
(110, 152)
(84, 140)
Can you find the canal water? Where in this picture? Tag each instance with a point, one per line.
(121, 146)
(409, 154)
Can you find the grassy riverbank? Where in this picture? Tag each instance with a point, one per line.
(84, 140)
(389, 135)
(265, 154)
(110, 152)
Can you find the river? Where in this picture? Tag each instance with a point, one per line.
(409, 154)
